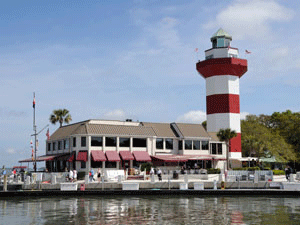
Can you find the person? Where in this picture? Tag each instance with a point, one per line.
(71, 175)
(14, 173)
(74, 175)
(151, 171)
(287, 171)
(159, 175)
(92, 175)
(99, 174)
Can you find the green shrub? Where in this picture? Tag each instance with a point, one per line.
(213, 171)
(267, 168)
(146, 166)
(253, 168)
(278, 172)
(81, 175)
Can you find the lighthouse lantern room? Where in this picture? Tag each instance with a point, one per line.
(222, 70)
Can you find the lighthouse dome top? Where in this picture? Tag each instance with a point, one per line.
(221, 34)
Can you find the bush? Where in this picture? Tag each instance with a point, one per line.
(146, 166)
(253, 168)
(213, 171)
(81, 175)
(278, 172)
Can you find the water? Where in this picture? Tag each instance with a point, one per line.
(150, 210)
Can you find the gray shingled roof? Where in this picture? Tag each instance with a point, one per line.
(100, 129)
(192, 130)
(119, 130)
(161, 129)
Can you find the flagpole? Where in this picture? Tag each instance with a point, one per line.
(34, 129)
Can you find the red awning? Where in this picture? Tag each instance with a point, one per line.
(82, 156)
(19, 167)
(39, 158)
(126, 155)
(141, 156)
(71, 158)
(98, 156)
(112, 156)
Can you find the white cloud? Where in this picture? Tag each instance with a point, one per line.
(243, 115)
(11, 151)
(117, 114)
(194, 116)
(250, 19)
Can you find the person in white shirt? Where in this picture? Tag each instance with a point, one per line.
(71, 175)
(74, 175)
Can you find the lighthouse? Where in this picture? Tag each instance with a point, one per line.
(222, 70)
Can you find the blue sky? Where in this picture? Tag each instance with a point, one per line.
(136, 59)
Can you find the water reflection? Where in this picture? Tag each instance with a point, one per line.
(150, 210)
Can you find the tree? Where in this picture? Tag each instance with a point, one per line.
(226, 135)
(61, 116)
(259, 139)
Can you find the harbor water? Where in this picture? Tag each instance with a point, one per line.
(150, 210)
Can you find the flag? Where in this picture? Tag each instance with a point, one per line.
(196, 49)
(30, 142)
(48, 134)
(33, 105)
(247, 52)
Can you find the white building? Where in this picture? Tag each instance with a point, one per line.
(126, 144)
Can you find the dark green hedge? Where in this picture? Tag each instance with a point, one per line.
(213, 171)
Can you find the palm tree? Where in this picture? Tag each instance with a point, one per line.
(61, 116)
(226, 135)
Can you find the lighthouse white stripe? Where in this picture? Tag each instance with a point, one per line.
(224, 84)
(218, 121)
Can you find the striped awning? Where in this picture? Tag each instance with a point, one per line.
(98, 156)
(141, 156)
(112, 156)
(82, 156)
(40, 158)
(126, 155)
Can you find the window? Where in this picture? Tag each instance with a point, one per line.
(196, 145)
(96, 141)
(180, 145)
(49, 146)
(54, 146)
(219, 148)
(74, 142)
(59, 145)
(221, 42)
(139, 142)
(159, 143)
(83, 141)
(65, 143)
(214, 148)
(204, 145)
(232, 55)
(83, 165)
(188, 145)
(169, 143)
(124, 142)
(110, 164)
(111, 141)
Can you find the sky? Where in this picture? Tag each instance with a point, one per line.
(136, 59)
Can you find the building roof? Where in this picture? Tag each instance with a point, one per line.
(145, 129)
(192, 130)
(120, 130)
(161, 129)
(221, 33)
(101, 129)
(213, 136)
(68, 130)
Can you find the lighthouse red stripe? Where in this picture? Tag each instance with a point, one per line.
(235, 144)
(222, 66)
(222, 103)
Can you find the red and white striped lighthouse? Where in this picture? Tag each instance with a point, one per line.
(222, 70)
